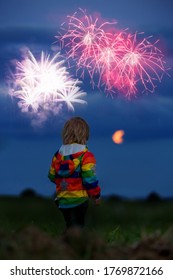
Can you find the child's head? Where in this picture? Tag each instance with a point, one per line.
(76, 130)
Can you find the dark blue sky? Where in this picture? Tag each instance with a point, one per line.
(144, 162)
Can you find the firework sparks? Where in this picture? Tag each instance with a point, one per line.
(41, 85)
(84, 38)
(142, 64)
(71, 95)
(108, 60)
(114, 59)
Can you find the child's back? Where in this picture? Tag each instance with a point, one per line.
(73, 172)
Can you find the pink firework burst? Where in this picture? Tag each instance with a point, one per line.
(109, 57)
(84, 39)
(116, 60)
(141, 64)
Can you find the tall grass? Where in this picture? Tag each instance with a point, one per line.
(33, 228)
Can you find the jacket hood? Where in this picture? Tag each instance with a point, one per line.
(69, 159)
(70, 149)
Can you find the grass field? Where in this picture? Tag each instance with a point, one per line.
(32, 228)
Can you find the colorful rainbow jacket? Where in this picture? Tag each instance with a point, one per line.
(73, 172)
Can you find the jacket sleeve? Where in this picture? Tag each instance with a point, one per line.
(89, 179)
(53, 168)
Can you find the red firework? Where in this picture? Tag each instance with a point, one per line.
(115, 60)
(84, 39)
(141, 65)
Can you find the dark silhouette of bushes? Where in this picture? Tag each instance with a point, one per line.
(154, 197)
(28, 193)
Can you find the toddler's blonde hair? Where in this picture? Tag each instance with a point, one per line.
(76, 130)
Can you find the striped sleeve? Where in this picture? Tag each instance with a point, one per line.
(53, 168)
(89, 178)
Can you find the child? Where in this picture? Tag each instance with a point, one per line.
(73, 172)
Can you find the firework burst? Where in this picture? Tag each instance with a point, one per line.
(41, 85)
(83, 39)
(115, 60)
(109, 57)
(142, 64)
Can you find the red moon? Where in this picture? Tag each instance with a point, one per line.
(117, 137)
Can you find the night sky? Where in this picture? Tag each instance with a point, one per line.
(144, 161)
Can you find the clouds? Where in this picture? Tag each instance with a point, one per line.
(145, 118)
